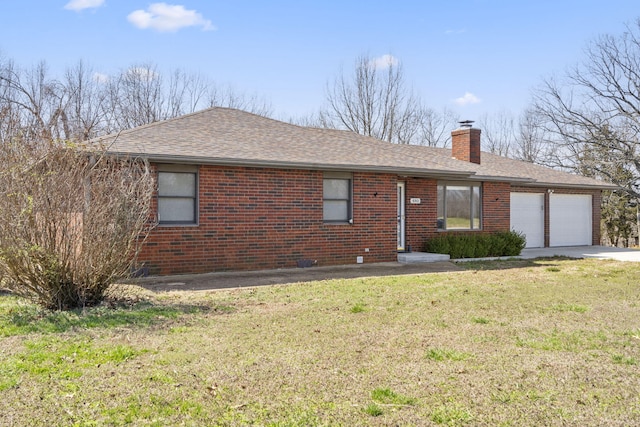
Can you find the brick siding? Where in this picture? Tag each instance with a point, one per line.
(421, 220)
(257, 218)
(465, 145)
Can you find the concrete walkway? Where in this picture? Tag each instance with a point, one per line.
(240, 279)
(597, 252)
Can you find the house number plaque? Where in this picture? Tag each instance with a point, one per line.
(415, 201)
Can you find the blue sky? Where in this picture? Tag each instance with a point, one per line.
(492, 51)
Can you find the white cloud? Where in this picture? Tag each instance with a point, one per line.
(467, 99)
(458, 31)
(385, 61)
(100, 78)
(168, 17)
(79, 5)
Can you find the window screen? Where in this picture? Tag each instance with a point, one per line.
(177, 197)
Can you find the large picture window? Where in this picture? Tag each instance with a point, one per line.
(336, 189)
(177, 194)
(459, 206)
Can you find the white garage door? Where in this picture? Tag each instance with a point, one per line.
(527, 217)
(569, 220)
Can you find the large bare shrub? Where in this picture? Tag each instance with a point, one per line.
(71, 221)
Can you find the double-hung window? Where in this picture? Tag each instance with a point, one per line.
(459, 206)
(177, 194)
(337, 196)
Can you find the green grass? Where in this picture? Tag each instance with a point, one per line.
(18, 318)
(623, 360)
(389, 397)
(507, 343)
(357, 308)
(451, 415)
(575, 308)
(51, 358)
(439, 355)
(577, 341)
(373, 410)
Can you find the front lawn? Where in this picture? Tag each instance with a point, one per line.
(511, 343)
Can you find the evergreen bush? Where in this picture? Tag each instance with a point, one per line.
(467, 245)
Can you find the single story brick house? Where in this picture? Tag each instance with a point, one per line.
(237, 191)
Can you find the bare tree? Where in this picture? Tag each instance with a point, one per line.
(85, 109)
(141, 94)
(374, 101)
(522, 138)
(531, 143)
(311, 120)
(498, 133)
(84, 104)
(10, 117)
(596, 109)
(10, 128)
(227, 96)
(186, 93)
(136, 97)
(435, 127)
(35, 99)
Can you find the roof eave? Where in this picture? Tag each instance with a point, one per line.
(509, 179)
(408, 172)
(603, 186)
(413, 172)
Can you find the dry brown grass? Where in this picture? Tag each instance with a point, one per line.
(551, 342)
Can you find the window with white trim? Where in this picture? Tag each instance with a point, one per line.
(459, 206)
(177, 195)
(337, 197)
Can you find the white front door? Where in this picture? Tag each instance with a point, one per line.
(401, 231)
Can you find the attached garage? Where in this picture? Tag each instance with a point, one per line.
(527, 217)
(570, 220)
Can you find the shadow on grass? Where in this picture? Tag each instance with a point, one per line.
(243, 279)
(506, 264)
(18, 317)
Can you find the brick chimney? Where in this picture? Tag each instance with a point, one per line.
(465, 143)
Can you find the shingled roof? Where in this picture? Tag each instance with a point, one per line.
(226, 136)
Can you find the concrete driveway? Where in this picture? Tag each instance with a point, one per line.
(597, 252)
